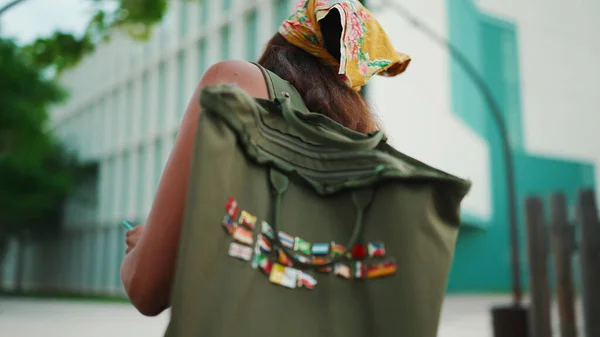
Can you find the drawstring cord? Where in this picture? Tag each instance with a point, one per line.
(361, 199)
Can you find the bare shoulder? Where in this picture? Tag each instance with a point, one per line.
(244, 74)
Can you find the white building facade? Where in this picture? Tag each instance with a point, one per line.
(126, 101)
(128, 97)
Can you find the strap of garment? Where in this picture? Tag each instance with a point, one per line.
(361, 198)
(280, 88)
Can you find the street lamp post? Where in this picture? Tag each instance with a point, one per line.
(7, 7)
(508, 321)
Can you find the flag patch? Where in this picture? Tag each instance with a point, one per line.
(302, 246)
(247, 220)
(286, 240)
(337, 249)
(302, 258)
(240, 251)
(360, 270)
(284, 276)
(283, 258)
(262, 262)
(267, 231)
(359, 251)
(321, 260)
(320, 249)
(342, 271)
(306, 280)
(263, 244)
(232, 208)
(242, 235)
(228, 224)
(382, 269)
(376, 249)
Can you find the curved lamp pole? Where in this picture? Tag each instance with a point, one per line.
(494, 108)
(9, 6)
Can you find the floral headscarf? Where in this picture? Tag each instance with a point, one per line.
(365, 49)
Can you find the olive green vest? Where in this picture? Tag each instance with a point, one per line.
(297, 226)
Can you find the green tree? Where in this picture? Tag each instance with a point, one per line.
(36, 172)
(62, 50)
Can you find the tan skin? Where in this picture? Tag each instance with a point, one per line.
(148, 268)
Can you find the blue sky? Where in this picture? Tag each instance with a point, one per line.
(34, 18)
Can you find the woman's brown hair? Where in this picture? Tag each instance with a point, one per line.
(319, 85)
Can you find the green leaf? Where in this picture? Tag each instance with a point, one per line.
(36, 172)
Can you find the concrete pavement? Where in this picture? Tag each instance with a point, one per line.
(463, 316)
(54, 318)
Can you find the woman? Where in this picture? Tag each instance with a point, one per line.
(327, 49)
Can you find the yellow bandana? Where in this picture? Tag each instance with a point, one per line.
(366, 49)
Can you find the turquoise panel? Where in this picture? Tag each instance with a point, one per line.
(482, 260)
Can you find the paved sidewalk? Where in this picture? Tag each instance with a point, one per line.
(468, 316)
(57, 318)
(463, 316)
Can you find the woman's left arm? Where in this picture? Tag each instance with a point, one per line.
(148, 269)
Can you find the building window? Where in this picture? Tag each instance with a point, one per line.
(181, 83)
(120, 252)
(141, 180)
(251, 35)
(93, 130)
(204, 12)
(83, 123)
(102, 134)
(129, 111)
(125, 184)
(225, 36)
(102, 183)
(145, 102)
(76, 121)
(158, 162)
(501, 66)
(132, 57)
(111, 188)
(162, 86)
(166, 29)
(105, 191)
(87, 120)
(201, 58)
(281, 12)
(112, 119)
(226, 5)
(183, 18)
(147, 50)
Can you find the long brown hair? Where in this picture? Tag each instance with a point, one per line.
(319, 85)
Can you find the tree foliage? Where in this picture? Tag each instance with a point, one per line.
(36, 171)
(61, 50)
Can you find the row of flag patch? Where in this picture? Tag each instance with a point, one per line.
(279, 272)
(358, 251)
(274, 261)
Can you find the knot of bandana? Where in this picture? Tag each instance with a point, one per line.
(365, 49)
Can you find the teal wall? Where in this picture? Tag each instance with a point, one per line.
(482, 261)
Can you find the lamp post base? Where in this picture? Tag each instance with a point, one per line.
(510, 321)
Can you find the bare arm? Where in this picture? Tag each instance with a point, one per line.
(147, 271)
